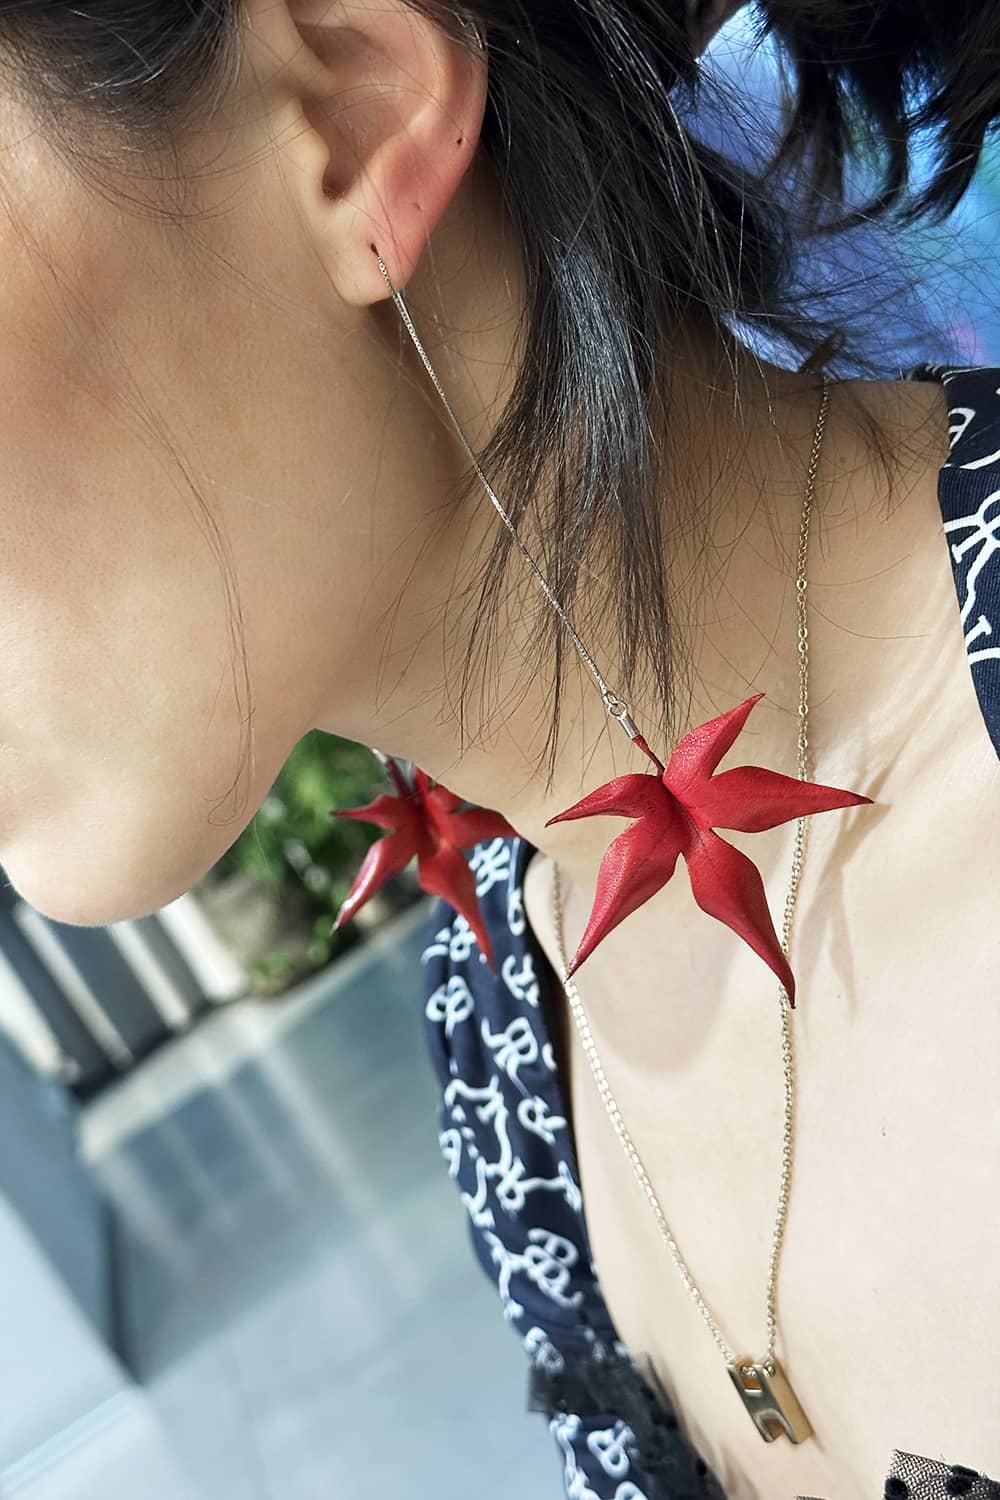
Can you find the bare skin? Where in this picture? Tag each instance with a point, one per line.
(257, 345)
(896, 1017)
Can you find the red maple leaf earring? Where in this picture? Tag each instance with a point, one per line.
(430, 822)
(676, 809)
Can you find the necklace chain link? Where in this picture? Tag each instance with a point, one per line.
(583, 1026)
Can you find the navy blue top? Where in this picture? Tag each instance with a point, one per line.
(503, 1127)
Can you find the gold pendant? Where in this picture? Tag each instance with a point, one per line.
(770, 1401)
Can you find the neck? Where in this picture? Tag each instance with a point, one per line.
(732, 582)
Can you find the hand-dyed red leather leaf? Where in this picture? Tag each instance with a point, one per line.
(384, 858)
(635, 864)
(728, 885)
(426, 820)
(677, 808)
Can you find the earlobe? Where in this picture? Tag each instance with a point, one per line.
(391, 113)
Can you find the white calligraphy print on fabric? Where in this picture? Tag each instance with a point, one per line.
(534, 1115)
(451, 1002)
(520, 979)
(540, 1348)
(515, 907)
(506, 1170)
(982, 530)
(513, 1047)
(456, 942)
(547, 1262)
(608, 1447)
(960, 418)
(491, 864)
(566, 1431)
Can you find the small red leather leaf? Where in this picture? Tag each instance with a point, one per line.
(683, 806)
(696, 756)
(384, 858)
(386, 811)
(750, 799)
(726, 884)
(635, 866)
(638, 795)
(427, 821)
(474, 826)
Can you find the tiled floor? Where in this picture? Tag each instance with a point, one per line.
(298, 1290)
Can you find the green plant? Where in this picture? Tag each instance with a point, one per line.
(295, 847)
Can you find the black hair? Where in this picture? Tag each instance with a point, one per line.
(630, 226)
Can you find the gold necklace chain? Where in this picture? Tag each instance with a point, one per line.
(768, 1364)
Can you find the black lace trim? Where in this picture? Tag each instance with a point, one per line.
(916, 1478)
(913, 1477)
(600, 1379)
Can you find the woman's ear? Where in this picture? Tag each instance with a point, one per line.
(705, 17)
(377, 118)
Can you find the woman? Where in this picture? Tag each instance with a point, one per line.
(224, 450)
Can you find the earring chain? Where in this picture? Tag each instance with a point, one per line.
(616, 706)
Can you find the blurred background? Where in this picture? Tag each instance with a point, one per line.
(233, 1263)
